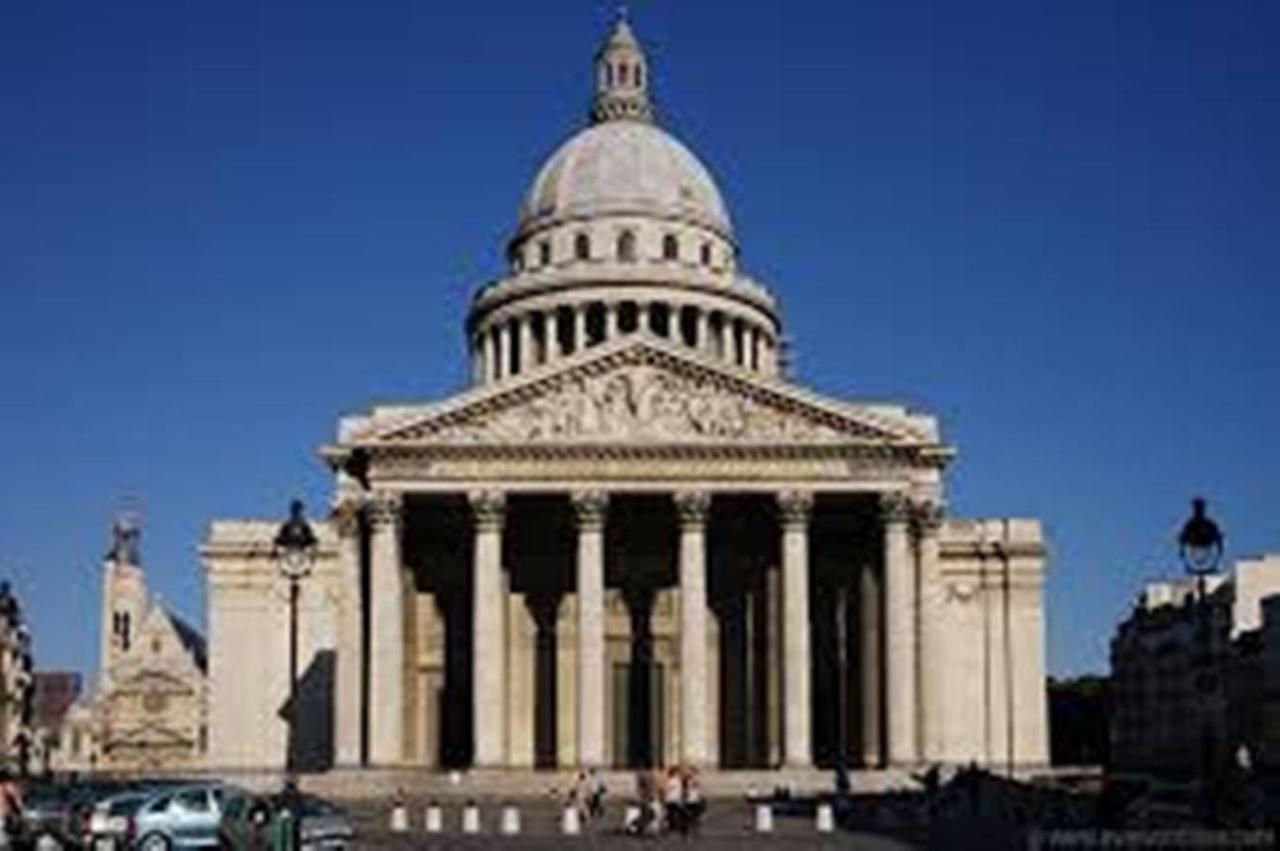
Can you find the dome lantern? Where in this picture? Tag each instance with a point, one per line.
(622, 78)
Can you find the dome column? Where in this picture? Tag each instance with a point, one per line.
(579, 327)
(528, 360)
(611, 331)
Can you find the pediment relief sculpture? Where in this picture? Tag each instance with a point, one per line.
(641, 403)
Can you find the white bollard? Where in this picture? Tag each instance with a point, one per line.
(826, 819)
(435, 819)
(510, 821)
(764, 818)
(471, 819)
(571, 822)
(399, 818)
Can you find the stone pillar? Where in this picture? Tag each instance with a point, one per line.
(755, 349)
(704, 332)
(692, 508)
(611, 332)
(493, 362)
(795, 509)
(478, 366)
(591, 508)
(349, 676)
(869, 653)
(642, 317)
(504, 349)
(900, 631)
(932, 698)
(488, 653)
(579, 327)
(386, 652)
(528, 360)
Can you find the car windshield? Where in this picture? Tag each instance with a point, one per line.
(125, 806)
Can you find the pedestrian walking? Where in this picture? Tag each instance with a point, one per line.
(10, 810)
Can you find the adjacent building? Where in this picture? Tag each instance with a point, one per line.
(1188, 681)
(635, 539)
(148, 712)
(16, 683)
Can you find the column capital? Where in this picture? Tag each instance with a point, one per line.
(795, 507)
(692, 507)
(488, 508)
(895, 508)
(385, 508)
(927, 517)
(346, 516)
(590, 508)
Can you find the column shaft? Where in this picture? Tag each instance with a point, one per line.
(579, 327)
(692, 508)
(488, 654)
(386, 657)
(611, 321)
(900, 633)
(504, 349)
(932, 695)
(796, 507)
(869, 651)
(349, 676)
(528, 359)
(591, 508)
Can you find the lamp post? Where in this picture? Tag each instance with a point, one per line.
(294, 550)
(1200, 545)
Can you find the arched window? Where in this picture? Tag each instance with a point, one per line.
(706, 254)
(622, 74)
(544, 253)
(627, 247)
(670, 247)
(582, 247)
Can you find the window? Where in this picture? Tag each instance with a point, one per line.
(622, 75)
(627, 247)
(544, 253)
(706, 254)
(670, 247)
(639, 76)
(156, 646)
(193, 801)
(582, 247)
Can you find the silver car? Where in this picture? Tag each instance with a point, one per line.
(184, 817)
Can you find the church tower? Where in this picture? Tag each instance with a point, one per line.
(124, 593)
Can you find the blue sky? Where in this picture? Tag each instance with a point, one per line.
(222, 224)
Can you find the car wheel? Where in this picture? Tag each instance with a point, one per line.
(154, 842)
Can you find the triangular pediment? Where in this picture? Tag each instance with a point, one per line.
(643, 391)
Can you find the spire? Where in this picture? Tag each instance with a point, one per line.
(622, 77)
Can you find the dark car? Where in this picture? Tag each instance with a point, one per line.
(258, 822)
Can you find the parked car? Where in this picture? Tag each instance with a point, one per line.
(112, 825)
(185, 817)
(253, 822)
(61, 811)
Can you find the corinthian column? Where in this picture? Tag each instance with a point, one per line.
(349, 677)
(928, 520)
(591, 508)
(386, 610)
(692, 508)
(489, 634)
(795, 508)
(900, 631)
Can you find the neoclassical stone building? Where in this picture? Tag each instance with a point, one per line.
(635, 539)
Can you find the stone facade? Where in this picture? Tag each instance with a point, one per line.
(634, 540)
(1189, 683)
(148, 712)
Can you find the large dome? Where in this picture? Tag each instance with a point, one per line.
(624, 167)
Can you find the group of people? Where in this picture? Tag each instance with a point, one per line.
(669, 801)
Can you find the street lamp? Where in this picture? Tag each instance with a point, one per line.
(294, 551)
(1200, 545)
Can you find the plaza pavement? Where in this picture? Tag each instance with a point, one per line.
(727, 825)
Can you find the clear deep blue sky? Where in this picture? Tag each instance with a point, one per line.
(222, 224)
